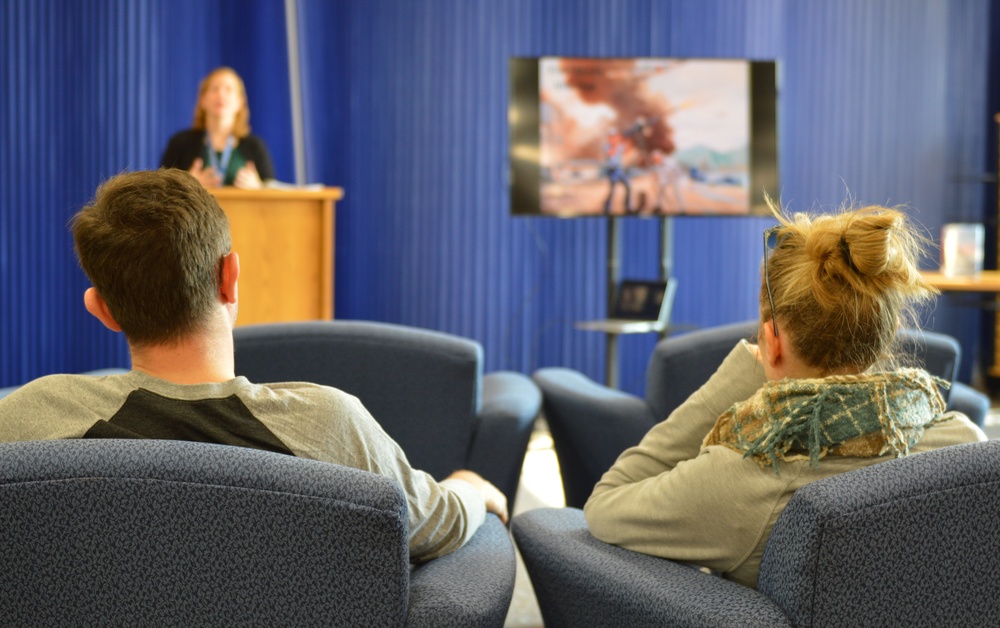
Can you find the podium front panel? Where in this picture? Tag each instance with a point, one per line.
(284, 239)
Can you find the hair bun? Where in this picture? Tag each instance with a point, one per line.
(879, 244)
(842, 283)
(865, 251)
(845, 250)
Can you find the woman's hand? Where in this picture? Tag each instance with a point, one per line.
(208, 177)
(247, 178)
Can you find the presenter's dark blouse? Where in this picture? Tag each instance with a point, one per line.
(186, 146)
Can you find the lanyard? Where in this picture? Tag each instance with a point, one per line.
(220, 163)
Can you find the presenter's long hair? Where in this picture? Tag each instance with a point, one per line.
(241, 125)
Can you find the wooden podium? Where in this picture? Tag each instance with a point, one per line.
(284, 238)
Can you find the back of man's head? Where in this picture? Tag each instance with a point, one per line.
(152, 243)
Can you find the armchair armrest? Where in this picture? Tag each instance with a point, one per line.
(581, 581)
(472, 586)
(510, 404)
(591, 425)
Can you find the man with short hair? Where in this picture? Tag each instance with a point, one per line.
(156, 247)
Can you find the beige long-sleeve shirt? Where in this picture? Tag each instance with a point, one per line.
(303, 419)
(673, 498)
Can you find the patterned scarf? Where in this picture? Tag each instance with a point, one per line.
(844, 415)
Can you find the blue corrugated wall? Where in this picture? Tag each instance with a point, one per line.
(405, 107)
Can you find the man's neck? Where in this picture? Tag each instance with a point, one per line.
(197, 359)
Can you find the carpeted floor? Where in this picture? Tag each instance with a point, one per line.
(540, 487)
(991, 425)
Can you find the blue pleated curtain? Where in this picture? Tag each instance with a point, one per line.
(405, 105)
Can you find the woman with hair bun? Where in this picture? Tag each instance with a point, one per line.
(820, 394)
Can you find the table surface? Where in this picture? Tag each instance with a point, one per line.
(622, 326)
(986, 281)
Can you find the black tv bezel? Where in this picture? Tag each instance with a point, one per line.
(524, 137)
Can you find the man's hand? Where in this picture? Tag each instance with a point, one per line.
(496, 501)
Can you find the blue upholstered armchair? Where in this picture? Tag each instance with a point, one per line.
(425, 388)
(909, 542)
(592, 424)
(119, 532)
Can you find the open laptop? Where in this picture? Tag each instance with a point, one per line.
(639, 306)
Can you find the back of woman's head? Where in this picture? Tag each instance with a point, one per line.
(843, 284)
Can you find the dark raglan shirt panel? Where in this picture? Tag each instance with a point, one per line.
(224, 421)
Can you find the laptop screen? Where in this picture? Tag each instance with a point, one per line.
(639, 300)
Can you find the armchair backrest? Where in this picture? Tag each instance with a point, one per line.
(940, 354)
(907, 542)
(172, 533)
(423, 387)
(681, 364)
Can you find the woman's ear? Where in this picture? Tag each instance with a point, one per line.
(99, 309)
(772, 347)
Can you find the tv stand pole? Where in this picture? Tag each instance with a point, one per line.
(611, 373)
(666, 247)
(614, 278)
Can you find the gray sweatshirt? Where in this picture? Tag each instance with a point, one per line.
(305, 420)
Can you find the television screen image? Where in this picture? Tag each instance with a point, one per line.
(642, 136)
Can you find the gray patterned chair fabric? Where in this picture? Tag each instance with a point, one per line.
(910, 542)
(111, 532)
(580, 581)
(592, 424)
(425, 388)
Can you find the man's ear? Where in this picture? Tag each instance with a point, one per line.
(99, 309)
(230, 274)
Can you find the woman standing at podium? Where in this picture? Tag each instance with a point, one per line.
(219, 148)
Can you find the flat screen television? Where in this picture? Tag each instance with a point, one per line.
(643, 136)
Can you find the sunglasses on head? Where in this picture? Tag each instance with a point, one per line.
(770, 243)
